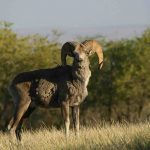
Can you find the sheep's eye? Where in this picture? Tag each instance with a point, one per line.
(88, 52)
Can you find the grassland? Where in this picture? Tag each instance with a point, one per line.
(106, 137)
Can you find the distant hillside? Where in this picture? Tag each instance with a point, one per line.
(110, 32)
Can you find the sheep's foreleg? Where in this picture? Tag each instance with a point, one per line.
(75, 117)
(65, 114)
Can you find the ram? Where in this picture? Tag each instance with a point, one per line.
(63, 86)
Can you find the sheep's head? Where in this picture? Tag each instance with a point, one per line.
(80, 50)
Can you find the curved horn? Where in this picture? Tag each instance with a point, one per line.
(67, 49)
(93, 46)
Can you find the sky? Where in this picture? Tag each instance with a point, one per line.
(74, 13)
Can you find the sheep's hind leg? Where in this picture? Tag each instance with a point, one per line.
(21, 108)
(18, 130)
(26, 115)
(10, 124)
(75, 117)
(65, 114)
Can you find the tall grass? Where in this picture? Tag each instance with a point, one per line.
(106, 137)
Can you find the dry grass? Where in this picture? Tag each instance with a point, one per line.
(114, 137)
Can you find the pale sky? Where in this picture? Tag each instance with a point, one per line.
(74, 13)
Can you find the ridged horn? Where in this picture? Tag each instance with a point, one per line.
(92, 46)
(67, 49)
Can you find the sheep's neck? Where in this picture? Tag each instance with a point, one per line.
(81, 72)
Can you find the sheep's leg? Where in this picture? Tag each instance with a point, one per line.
(75, 117)
(18, 130)
(65, 114)
(10, 124)
(20, 110)
(26, 115)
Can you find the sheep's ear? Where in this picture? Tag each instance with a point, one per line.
(67, 49)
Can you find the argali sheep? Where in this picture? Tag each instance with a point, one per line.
(63, 86)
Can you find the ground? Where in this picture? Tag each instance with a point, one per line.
(101, 136)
